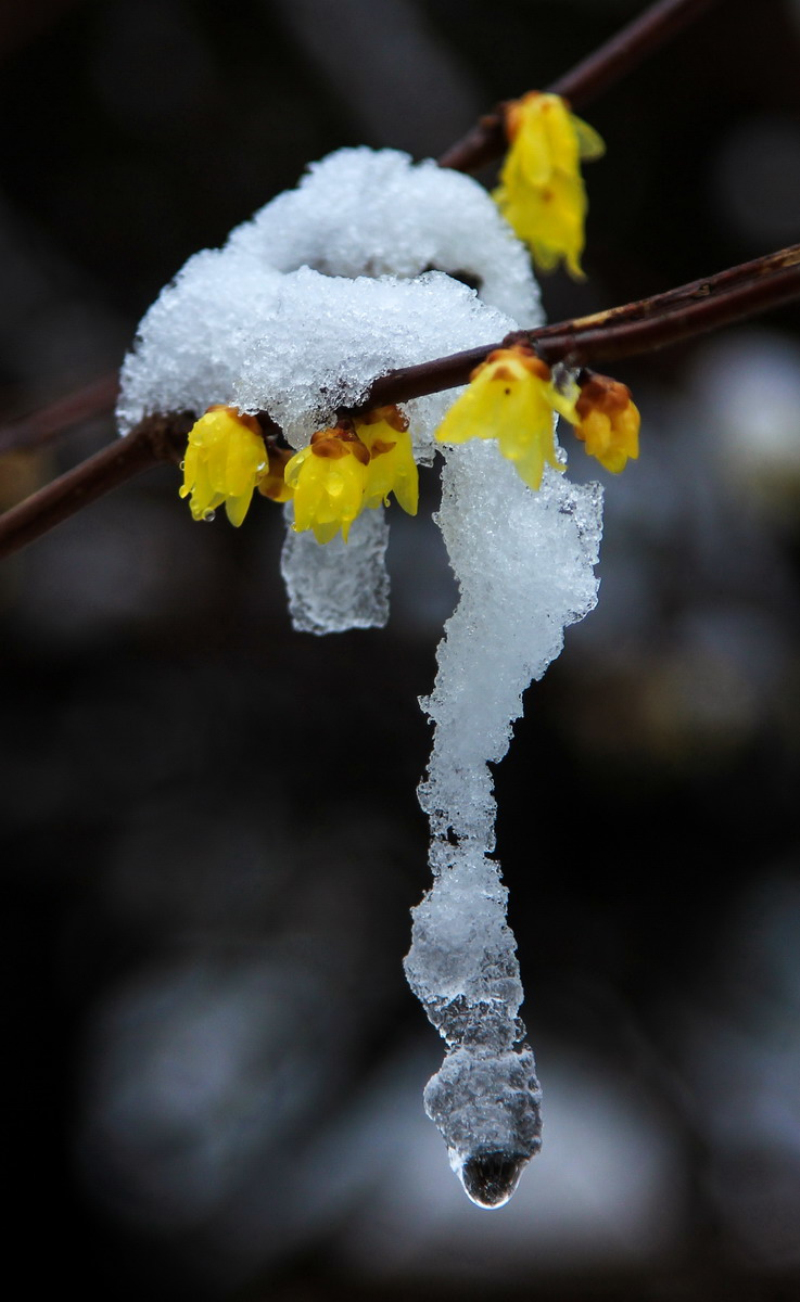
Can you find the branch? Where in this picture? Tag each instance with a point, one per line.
(47, 423)
(626, 331)
(586, 81)
(157, 439)
(628, 337)
(642, 326)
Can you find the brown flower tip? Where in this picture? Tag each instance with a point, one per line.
(338, 442)
(250, 422)
(601, 393)
(513, 113)
(518, 352)
(391, 415)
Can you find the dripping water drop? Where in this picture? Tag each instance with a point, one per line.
(490, 1178)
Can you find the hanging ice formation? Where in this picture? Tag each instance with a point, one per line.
(524, 563)
(373, 263)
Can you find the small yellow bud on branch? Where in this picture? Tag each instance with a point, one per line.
(588, 79)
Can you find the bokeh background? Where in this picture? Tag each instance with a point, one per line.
(210, 840)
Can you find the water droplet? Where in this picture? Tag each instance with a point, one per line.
(181, 465)
(209, 515)
(491, 1178)
(262, 465)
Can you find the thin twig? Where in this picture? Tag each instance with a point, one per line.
(158, 439)
(47, 423)
(628, 338)
(693, 291)
(658, 24)
(623, 52)
(642, 326)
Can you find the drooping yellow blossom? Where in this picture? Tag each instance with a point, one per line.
(328, 479)
(541, 192)
(272, 480)
(512, 398)
(392, 468)
(224, 457)
(608, 422)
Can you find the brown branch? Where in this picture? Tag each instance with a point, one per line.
(626, 331)
(694, 291)
(630, 337)
(157, 439)
(642, 326)
(623, 52)
(588, 79)
(46, 424)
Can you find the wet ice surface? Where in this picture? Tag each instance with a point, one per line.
(524, 562)
(485, 1101)
(337, 586)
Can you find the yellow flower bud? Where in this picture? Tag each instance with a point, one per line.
(328, 479)
(541, 192)
(392, 468)
(224, 457)
(608, 422)
(512, 398)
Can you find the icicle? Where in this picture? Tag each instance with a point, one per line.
(524, 562)
(337, 586)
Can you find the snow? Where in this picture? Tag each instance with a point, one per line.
(364, 212)
(358, 271)
(328, 287)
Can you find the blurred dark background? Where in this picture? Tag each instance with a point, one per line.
(210, 839)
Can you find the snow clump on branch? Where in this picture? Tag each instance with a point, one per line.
(375, 263)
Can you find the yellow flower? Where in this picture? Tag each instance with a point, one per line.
(328, 478)
(512, 398)
(392, 468)
(541, 192)
(224, 457)
(608, 422)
